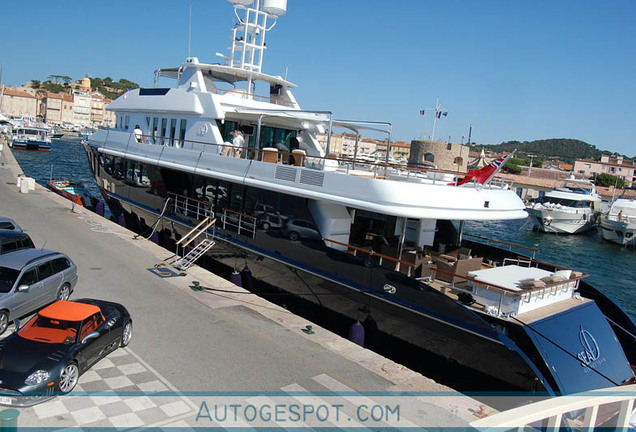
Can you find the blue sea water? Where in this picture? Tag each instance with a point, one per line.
(612, 268)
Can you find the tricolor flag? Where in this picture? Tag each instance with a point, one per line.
(439, 114)
(422, 112)
(486, 173)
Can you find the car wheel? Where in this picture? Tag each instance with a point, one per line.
(126, 335)
(4, 321)
(64, 293)
(265, 225)
(69, 378)
(293, 236)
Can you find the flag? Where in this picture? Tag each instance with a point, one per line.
(445, 113)
(422, 112)
(486, 173)
(438, 114)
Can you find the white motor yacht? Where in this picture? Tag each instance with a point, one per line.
(229, 152)
(618, 225)
(572, 208)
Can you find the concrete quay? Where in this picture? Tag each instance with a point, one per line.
(192, 350)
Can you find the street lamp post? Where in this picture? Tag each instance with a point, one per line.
(531, 156)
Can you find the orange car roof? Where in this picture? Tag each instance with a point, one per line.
(69, 310)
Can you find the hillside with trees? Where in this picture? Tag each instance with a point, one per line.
(563, 149)
(63, 83)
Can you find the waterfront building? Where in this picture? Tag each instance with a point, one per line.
(52, 108)
(18, 103)
(614, 165)
(67, 108)
(82, 108)
(344, 144)
(399, 150)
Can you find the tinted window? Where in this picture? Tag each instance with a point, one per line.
(60, 264)
(10, 246)
(8, 277)
(7, 225)
(45, 270)
(29, 277)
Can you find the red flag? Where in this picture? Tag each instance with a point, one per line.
(484, 174)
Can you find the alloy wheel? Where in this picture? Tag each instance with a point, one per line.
(69, 378)
(4, 321)
(65, 293)
(126, 334)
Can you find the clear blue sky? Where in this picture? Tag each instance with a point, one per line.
(515, 69)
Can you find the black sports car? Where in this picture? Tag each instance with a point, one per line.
(47, 355)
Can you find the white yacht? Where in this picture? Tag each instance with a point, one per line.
(28, 134)
(354, 241)
(572, 208)
(618, 225)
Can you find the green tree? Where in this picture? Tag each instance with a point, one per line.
(35, 84)
(609, 180)
(511, 168)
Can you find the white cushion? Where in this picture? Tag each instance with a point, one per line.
(565, 274)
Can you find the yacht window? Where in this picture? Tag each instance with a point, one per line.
(155, 124)
(182, 131)
(164, 124)
(173, 130)
(147, 122)
(127, 122)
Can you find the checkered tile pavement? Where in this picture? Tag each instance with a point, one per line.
(112, 394)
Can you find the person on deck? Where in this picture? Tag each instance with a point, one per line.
(138, 133)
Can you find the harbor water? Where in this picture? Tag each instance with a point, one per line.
(610, 266)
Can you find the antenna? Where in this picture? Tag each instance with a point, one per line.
(189, 30)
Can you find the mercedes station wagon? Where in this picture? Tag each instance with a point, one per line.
(31, 279)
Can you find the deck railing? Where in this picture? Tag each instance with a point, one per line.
(500, 242)
(354, 250)
(239, 221)
(191, 207)
(603, 409)
(347, 165)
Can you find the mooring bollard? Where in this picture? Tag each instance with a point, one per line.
(9, 420)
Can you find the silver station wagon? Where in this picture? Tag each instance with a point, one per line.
(31, 279)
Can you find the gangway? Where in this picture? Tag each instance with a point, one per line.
(201, 248)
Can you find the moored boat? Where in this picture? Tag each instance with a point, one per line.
(572, 208)
(370, 240)
(30, 135)
(73, 191)
(618, 225)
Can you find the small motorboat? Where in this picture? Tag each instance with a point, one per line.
(73, 191)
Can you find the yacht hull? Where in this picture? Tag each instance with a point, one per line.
(622, 233)
(561, 222)
(479, 348)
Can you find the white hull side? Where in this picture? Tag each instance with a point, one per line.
(622, 233)
(563, 222)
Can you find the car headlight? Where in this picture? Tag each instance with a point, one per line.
(37, 377)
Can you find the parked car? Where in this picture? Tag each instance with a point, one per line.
(294, 229)
(271, 220)
(9, 224)
(47, 355)
(31, 279)
(14, 240)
